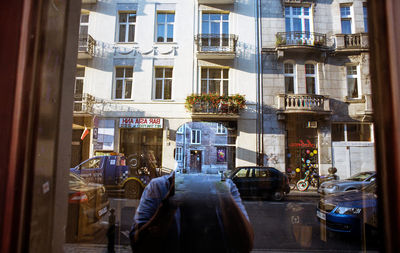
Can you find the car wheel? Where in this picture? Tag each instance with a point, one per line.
(133, 190)
(278, 195)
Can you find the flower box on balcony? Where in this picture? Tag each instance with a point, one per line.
(214, 103)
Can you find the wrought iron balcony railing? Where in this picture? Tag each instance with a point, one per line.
(352, 41)
(303, 103)
(83, 103)
(86, 44)
(300, 39)
(216, 43)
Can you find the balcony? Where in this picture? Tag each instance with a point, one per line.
(83, 103)
(215, 1)
(352, 42)
(301, 40)
(86, 46)
(303, 103)
(216, 46)
(215, 106)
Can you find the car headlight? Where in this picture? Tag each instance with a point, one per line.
(348, 210)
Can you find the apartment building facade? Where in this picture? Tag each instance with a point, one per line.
(316, 86)
(140, 61)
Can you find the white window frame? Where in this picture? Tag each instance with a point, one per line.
(124, 79)
(162, 79)
(179, 154)
(165, 23)
(208, 79)
(302, 17)
(221, 21)
(126, 24)
(345, 124)
(293, 75)
(315, 76)
(358, 76)
(196, 133)
(84, 23)
(221, 129)
(349, 16)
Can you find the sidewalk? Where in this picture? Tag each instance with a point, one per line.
(311, 192)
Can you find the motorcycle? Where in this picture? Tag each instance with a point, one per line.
(310, 178)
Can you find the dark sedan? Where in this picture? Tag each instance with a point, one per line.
(87, 204)
(261, 181)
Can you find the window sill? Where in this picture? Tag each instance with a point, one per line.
(162, 101)
(165, 43)
(126, 43)
(354, 100)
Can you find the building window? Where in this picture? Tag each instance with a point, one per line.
(179, 154)
(298, 25)
(217, 26)
(196, 136)
(84, 24)
(214, 80)
(165, 27)
(163, 77)
(311, 79)
(345, 18)
(353, 86)
(221, 129)
(126, 22)
(351, 132)
(365, 11)
(78, 89)
(123, 82)
(221, 154)
(289, 78)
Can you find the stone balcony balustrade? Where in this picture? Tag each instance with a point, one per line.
(303, 103)
(86, 46)
(350, 42)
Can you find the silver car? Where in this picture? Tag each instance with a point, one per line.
(352, 183)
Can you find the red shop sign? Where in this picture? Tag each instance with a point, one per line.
(302, 144)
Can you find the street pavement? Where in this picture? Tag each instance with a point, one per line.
(285, 226)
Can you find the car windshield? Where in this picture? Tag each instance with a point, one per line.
(360, 176)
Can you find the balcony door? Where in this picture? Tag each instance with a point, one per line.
(298, 25)
(78, 89)
(83, 31)
(215, 30)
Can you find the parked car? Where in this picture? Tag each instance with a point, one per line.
(352, 183)
(351, 212)
(261, 181)
(87, 204)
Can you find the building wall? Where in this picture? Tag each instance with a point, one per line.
(331, 82)
(145, 53)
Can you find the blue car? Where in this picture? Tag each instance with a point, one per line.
(349, 212)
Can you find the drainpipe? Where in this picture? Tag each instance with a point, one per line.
(259, 100)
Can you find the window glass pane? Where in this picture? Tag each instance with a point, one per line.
(204, 72)
(132, 17)
(306, 11)
(310, 69)
(289, 85)
(205, 27)
(168, 72)
(297, 25)
(118, 89)
(287, 25)
(204, 87)
(288, 68)
(225, 88)
(84, 18)
(215, 16)
(215, 28)
(123, 17)
(122, 31)
(306, 25)
(310, 85)
(158, 89)
(129, 72)
(225, 16)
(225, 28)
(205, 17)
(168, 89)
(131, 34)
(78, 87)
(128, 89)
(170, 17)
(170, 33)
(159, 73)
(352, 70)
(214, 73)
(80, 72)
(160, 33)
(161, 18)
(287, 10)
(346, 26)
(225, 73)
(337, 132)
(119, 72)
(352, 87)
(214, 86)
(296, 10)
(358, 132)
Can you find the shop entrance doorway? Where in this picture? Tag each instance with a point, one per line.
(195, 161)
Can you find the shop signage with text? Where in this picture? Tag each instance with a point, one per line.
(141, 123)
(302, 144)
